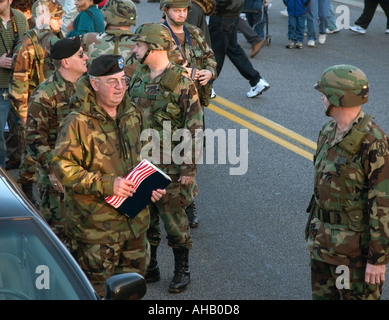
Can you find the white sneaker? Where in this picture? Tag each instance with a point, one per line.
(213, 94)
(387, 31)
(322, 38)
(259, 88)
(357, 29)
(311, 43)
(336, 30)
(284, 13)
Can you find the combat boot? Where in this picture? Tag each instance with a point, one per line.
(152, 272)
(27, 189)
(181, 278)
(191, 212)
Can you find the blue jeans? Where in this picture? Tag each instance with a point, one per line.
(296, 28)
(5, 106)
(256, 20)
(318, 9)
(224, 41)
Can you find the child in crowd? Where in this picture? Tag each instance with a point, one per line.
(297, 13)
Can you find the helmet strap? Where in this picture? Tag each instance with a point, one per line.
(142, 60)
(329, 110)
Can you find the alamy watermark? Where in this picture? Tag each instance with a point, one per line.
(343, 20)
(182, 146)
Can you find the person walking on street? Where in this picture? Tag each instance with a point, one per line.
(98, 144)
(369, 9)
(224, 39)
(347, 226)
(170, 103)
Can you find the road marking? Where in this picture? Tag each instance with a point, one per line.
(268, 123)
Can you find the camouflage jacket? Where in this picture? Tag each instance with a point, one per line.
(92, 150)
(176, 106)
(112, 41)
(363, 235)
(30, 66)
(47, 107)
(198, 54)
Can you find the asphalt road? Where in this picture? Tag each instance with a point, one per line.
(250, 242)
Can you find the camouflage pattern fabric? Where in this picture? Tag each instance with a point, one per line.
(119, 13)
(47, 107)
(92, 150)
(344, 86)
(324, 286)
(176, 3)
(100, 261)
(181, 109)
(156, 35)
(112, 41)
(361, 235)
(199, 55)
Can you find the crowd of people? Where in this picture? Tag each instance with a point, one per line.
(78, 88)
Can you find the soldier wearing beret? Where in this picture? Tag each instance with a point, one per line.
(119, 16)
(347, 230)
(170, 103)
(31, 65)
(99, 144)
(48, 106)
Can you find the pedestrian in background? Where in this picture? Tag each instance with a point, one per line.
(224, 39)
(297, 13)
(89, 18)
(369, 9)
(349, 209)
(318, 9)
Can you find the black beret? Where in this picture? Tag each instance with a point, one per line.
(106, 65)
(65, 48)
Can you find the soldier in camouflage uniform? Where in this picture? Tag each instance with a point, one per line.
(169, 101)
(47, 107)
(193, 52)
(31, 66)
(119, 16)
(99, 143)
(349, 210)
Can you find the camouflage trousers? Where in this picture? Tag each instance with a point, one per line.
(99, 261)
(324, 286)
(171, 210)
(27, 168)
(52, 208)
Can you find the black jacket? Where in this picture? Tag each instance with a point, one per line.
(228, 8)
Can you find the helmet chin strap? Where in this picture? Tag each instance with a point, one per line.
(145, 56)
(329, 110)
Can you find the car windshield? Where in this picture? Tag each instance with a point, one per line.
(32, 265)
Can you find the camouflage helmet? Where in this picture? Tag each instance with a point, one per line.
(54, 6)
(119, 13)
(156, 35)
(175, 3)
(344, 86)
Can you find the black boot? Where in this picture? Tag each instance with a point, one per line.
(181, 277)
(27, 189)
(152, 272)
(191, 212)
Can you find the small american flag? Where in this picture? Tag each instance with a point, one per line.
(137, 175)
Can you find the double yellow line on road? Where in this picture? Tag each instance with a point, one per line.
(268, 123)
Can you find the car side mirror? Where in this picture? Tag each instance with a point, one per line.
(125, 286)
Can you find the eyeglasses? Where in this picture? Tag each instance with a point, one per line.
(113, 83)
(81, 54)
